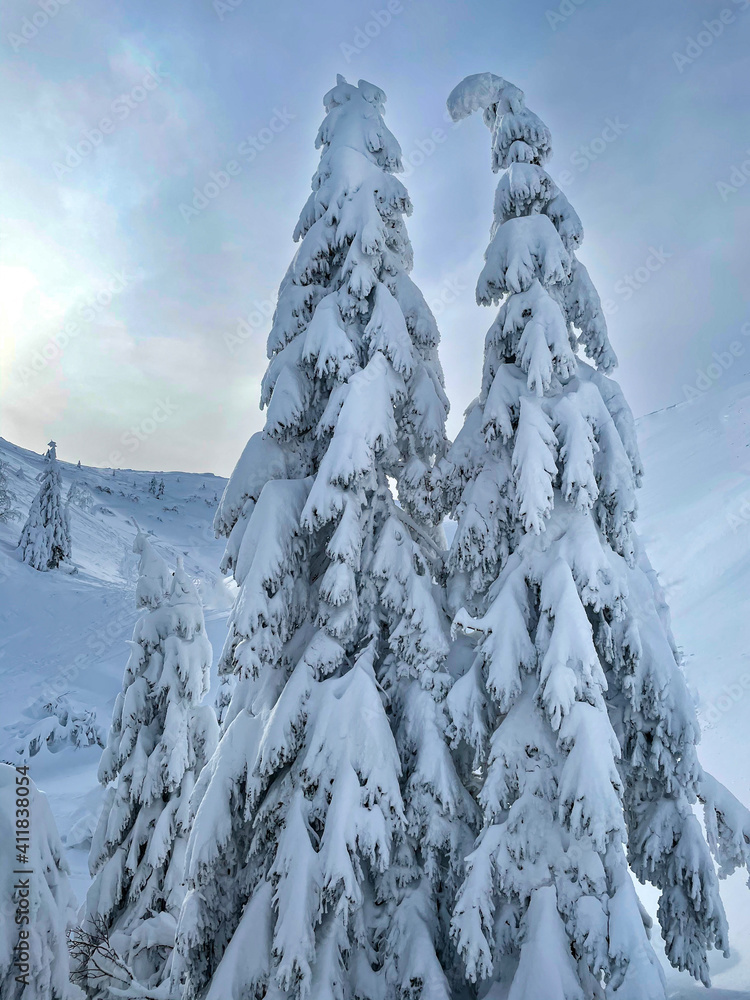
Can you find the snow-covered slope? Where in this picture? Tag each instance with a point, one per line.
(694, 518)
(65, 635)
(695, 522)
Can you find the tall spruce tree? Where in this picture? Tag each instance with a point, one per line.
(572, 706)
(45, 539)
(330, 824)
(159, 740)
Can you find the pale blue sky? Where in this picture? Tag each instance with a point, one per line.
(171, 90)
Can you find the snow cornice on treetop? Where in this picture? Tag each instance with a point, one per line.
(523, 247)
(483, 91)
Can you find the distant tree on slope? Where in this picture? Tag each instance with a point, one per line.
(331, 823)
(45, 539)
(7, 498)
(572, 705)
(36, 902)
(159, 740)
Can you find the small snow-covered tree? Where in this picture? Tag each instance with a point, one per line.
(80, 496)
(55, 722)
(7, 498)
(45, 539)
(36, 902)
(160, 738)
(572, 707)
(331, 822)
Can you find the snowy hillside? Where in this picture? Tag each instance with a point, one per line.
(695, 522)
(64, 635)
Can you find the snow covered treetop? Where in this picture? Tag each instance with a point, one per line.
(485, 91)
(354, 210)
(534, 235)
(347, 100)
(343, 92)
(348, 317)
(517, 134)
(154, 576)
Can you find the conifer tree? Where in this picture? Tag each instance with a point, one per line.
(330, 823)
(160, 738)
(37, 905)
(572, 706)
(7, 498)
(45, 539)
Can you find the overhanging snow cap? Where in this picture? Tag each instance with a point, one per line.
(483, 90)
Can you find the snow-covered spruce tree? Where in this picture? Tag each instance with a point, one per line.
(159, 740)
(36, 901)
(7, 498)
(572, 705)
(330, 823)
(45, 539)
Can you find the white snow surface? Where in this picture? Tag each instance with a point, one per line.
(63, 634)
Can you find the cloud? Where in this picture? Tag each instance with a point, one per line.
(67, 233)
